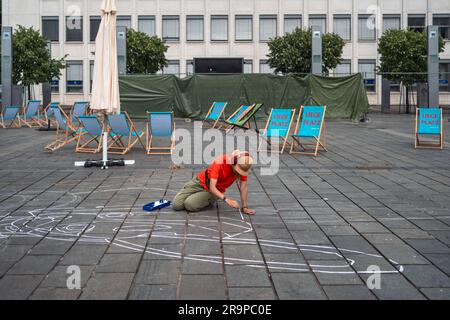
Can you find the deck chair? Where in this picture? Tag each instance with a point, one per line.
(278, 126)
(31, 116)
(244, 121)
(310, 126)
(65, 132)
(429, 124)
(236, 116)
(123, 134)
(10, 114)
(49, 116)
(160, 124)
(90, 140)
(215, 114)
(79, 109)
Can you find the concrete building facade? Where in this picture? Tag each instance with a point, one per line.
(228, 28)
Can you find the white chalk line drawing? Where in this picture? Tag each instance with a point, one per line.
(54, 223)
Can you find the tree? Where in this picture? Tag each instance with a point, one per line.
(291, 53)
(32, 62)
(404, 57)
(145, 54)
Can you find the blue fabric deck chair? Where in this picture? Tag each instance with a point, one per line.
(65, 132)
(160, 125)
(123, 134)
(49, 115)
(309, 131)
(91, 139)
(236, 116)
(11, 115)
(429, 131)
(243, 122)
(32, 116)
(278, 126)
(215, 114)
(79, 109)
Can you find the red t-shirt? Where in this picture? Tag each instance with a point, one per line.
(221, 170)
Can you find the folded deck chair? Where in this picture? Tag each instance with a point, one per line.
(79, 109)
(90, 140)
(123, 134)
(65, 132)
(215, 114)
(278, 126)
(429, 129)
(11, 115)
(160, 124)
(237, 115)
(244, 121)
(32, 117)
(310, 127)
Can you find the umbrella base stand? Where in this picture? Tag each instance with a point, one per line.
(104, 163)
(48, 128)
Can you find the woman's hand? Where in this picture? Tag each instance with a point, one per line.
(232, 203)
(248, 211)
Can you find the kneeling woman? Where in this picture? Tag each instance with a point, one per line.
(211, 184)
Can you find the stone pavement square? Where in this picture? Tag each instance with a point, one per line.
(322, 224)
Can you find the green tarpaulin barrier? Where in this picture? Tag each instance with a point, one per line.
(192, 97)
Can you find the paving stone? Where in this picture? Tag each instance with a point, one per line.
(158, 272)
(83, 255)
(202, 267)
(34, 265)
(57, 278)
(18, 287)
(203, 287)
(348, 292)
(426, 276)
(107, 286)
(242, 253)
(297, 286)
(285, 262)
(153, 292)
(429, 246)
(55, 294)
(396, 287)
(245, 276)
(115, 263)
(436, 293)
(251, 294)
(402, 254)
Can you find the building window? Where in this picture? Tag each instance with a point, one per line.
(244, 28)
(416, 22)
(318, 20)
(443, 21)
(248, 66)
(91, 75)
(171, 28)
(292, 21)
(50, 28)
(264, 67)
(366, 27)
(367, 69)
(124, 21)
(267, 27)
(343, 69)
(391, 22)
(94, 25)
(74, 77)
(342, 26)
(189, 67)
(74, 29)
(55, 85)
(146, 24)
(194, 28)
(173, 67)
(219, 28)
(444, 76)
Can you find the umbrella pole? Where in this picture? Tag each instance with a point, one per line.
(105, 144)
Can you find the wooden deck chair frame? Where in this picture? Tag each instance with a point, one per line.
(220, 118)
(428, 144)
(318, 142)
(117, 145)
(228, 127)
(246, 125)
(12, 122)
(65, 135)
(35, 121)
(149, 142)
(86, 139)
(284, 138)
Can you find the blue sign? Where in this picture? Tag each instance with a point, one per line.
(279, 123)
(311, 121)
(429, 121)
(443, 82)
(216, 110)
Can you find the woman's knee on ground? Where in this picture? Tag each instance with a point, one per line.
(192, 204)
(178, 203)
